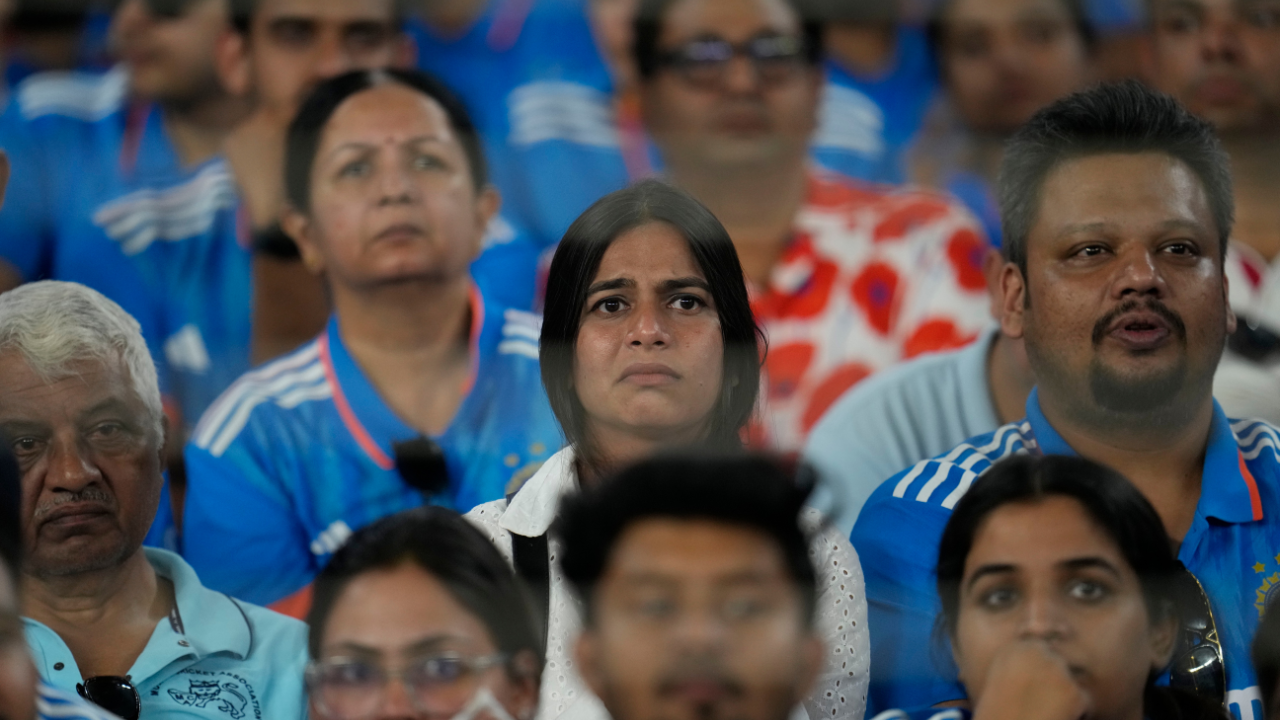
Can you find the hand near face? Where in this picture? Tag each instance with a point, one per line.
(1028, 680)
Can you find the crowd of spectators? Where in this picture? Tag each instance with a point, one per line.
(640, 359)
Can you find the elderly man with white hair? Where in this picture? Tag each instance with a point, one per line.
(127, 627)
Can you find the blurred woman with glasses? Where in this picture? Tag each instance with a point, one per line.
(1060, 598)
(648, 343)
(418, 616)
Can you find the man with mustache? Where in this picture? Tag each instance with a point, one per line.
(1116, 204)
(128, 628)
(847, 279)
(22, 695)
(697, 588)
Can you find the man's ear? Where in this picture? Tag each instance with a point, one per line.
(488, 202)
(586, 653)
(1226, 299)
(1013, 293)
(298, 226)
(992, 270)
(232, 64)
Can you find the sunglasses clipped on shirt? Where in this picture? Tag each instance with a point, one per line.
(112, 693)
(1198, 664)
(704, 61)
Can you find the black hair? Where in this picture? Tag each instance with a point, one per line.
(10, 512)
(242, 11)
(1266, 657)
(308, 126)
(1114, 118)
(446, 545)
(1115, 506)
(574, 268)
(647, 29)
(742, 489)
(936, 27)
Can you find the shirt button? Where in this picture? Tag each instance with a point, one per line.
(58, 666)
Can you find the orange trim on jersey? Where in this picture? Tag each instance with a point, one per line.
(1254, 496)
(349, 419)
(296, 605)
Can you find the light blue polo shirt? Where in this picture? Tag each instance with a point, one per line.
(897, 418)
(53, 703)
(214, 657)
(1233, 548)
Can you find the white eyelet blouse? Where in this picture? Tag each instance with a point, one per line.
(841, 690)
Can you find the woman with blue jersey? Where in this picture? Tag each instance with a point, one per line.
(649, 343)
(1062, 599)
(421, 598)
(419, 390)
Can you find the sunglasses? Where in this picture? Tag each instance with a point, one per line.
(1198, 665)
(422, 465)
(112, 693)
(704, 62)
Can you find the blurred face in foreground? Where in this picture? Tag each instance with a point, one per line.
(404, 623)
(1005, 59)
(697, 620)
(1124, 304)
(1220, 58)
(1049, 605)
(740, 112)
(392, 195)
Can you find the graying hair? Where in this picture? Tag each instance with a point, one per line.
(54, 324)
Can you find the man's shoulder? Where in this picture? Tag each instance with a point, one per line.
(918, 384)
(78, 96)
(276, 390)
(274, 634)
(941, 481)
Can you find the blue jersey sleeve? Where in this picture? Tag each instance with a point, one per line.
(897, 540)
(25, 219)
(240, 531)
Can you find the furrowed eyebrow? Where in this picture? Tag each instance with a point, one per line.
(614, 284)
(684, 282)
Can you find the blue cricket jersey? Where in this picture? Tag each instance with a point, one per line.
(1233, 547)
(867, 124)
(298, 454)
(100, 197)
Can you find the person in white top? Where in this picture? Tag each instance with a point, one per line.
(648, 343)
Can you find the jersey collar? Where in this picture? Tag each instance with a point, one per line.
(371, 423)
(1228, 490)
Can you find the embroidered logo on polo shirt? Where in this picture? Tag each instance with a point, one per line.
(220, 694)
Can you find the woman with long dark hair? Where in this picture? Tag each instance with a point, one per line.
(648, 343)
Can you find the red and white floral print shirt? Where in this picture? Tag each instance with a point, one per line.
(873, 276)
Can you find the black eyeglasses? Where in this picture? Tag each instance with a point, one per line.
(704, 61)
(1198, 665)
(422, 465)
(112, 693)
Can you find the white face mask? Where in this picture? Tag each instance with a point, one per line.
(483, 702)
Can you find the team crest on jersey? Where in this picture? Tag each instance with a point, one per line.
(1269, 590)
(219, 694)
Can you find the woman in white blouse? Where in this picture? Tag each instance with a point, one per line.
(648, 342)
